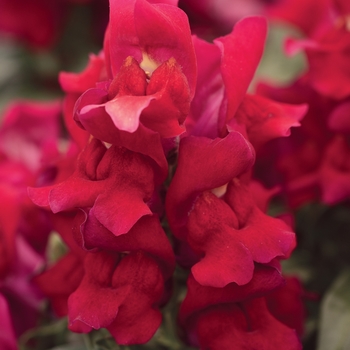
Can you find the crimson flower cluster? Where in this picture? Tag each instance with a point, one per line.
(159, 173)
(314, 162)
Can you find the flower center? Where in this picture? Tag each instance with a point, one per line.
(148, 65)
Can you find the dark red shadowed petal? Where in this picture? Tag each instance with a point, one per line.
(129, 290)
(247, 326)
(146, 235)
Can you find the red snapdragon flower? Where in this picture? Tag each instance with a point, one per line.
(235, 316)
(115, 183)
(149, 80)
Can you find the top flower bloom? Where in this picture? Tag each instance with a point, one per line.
(151, 73)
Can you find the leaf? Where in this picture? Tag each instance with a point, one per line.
(335, 315)
(275, 65)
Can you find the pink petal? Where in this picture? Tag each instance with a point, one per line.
(125, 111)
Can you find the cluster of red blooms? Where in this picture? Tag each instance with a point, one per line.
(170, 160)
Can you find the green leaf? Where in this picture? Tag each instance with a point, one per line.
(276, 67)
(335, 315)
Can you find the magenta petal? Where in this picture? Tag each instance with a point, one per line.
(40, 196)
(7, 334)
(339, 119)
(241, 53)
(204, 164)
(205, 106)
(125, 111)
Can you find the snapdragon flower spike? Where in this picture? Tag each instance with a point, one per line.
(129, 288)
(231, 237)
(115, 183)
(204, 164)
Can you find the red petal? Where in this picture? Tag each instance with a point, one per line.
(247, 326)
(265, 279)
(264, 119)
(212, 232)
(146, 235)
(241, 53)
(204, 164)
